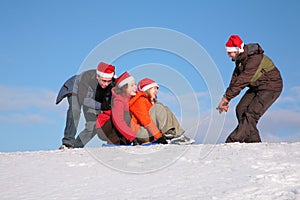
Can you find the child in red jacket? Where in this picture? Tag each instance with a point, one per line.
(125, 88)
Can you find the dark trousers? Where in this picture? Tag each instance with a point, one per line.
(248, 111)
(109, 133)
(73, 116)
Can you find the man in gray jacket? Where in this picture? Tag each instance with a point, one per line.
(91, 92)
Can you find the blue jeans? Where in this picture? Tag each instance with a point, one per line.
(73, 116)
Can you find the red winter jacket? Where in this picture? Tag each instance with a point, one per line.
(120, 114)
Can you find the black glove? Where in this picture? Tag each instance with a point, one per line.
(105, 106)
(151, 139)
(162, 140)
(136, 142)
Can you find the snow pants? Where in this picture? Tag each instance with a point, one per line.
(109, 133)
(248, 111)
(164, 120)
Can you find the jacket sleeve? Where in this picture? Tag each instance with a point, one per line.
(143, 116)
(89, 101)
(86, 90)
(241, 80)
(69, 87)
(119, 120)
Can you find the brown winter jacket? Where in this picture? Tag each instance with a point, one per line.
(246, 64)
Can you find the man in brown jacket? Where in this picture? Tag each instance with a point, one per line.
(256, 71)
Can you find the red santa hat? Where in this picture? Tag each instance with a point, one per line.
(146, 84)
(105, 70)
(124, 79)
(235, 43)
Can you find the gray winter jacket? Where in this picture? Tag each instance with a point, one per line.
(70, 87)
(89, 93)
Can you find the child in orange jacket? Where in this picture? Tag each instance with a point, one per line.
(152, 121)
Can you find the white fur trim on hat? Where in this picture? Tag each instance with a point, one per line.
(125, 81)
(149, 86)
(105, 75)
(234, 49)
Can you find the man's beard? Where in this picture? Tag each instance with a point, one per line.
(233, 59)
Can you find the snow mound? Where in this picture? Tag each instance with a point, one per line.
(223, 171)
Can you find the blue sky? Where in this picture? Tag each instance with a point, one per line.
(43, 43)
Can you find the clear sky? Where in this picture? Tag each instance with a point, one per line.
(43, 43)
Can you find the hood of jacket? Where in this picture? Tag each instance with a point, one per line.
(249, 50)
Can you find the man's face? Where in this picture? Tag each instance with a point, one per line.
(104, 82)
(233, 55)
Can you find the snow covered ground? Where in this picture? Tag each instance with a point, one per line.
(223, 171)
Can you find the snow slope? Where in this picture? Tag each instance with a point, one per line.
(224, 171)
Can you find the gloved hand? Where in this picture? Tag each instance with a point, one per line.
(136, 142)
(223, 105)
(105, 106)
(162, 140)
(151, 138)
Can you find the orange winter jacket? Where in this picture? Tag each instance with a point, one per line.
(139, 107)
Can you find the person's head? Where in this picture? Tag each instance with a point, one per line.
(234, 46)
(125, 85)
(105, 74)
(150, 87)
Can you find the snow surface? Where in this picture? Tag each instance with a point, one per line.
(223, 171)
